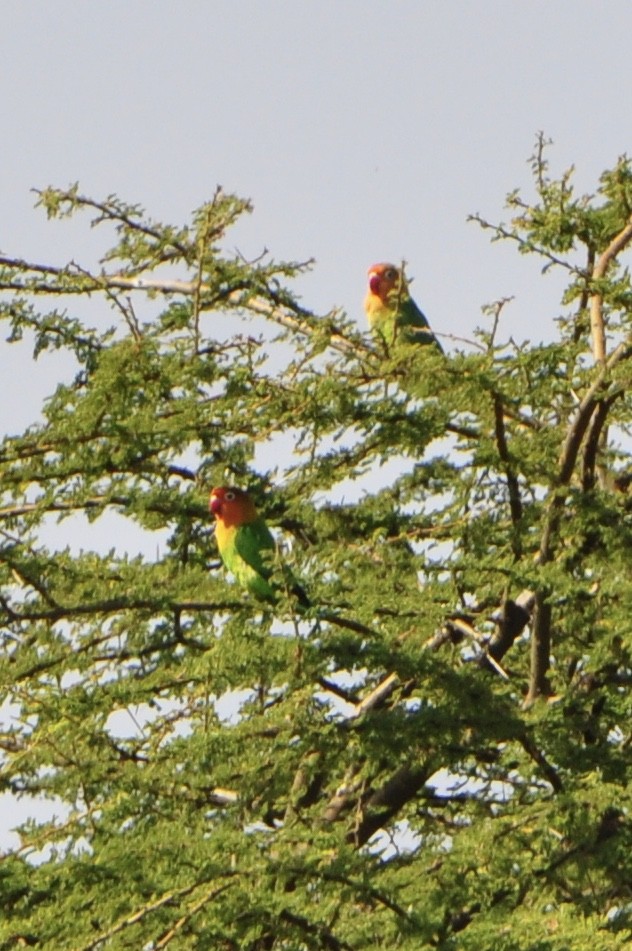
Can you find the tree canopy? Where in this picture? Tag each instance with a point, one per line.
(449, 770)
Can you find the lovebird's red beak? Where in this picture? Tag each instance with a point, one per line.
(215, 505)
(374, 284)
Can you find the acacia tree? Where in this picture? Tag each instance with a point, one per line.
(450, 769)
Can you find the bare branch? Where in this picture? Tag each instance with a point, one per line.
(597, 328)
(462, 627)
(208, 896)
(511, 621)
(580, 325)
(579, 424)
(571, 447)
(541, 631)
(595, 442)
(292, 317)
(513, 487)
(167, 899)
(347, 623)
(525, 244)
(342, 797)
(540, 650)
(387, 801)
(223, 797)
(377, 696)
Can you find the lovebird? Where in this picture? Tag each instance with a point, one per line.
(391, 311)
(244, 540)
(246, 544)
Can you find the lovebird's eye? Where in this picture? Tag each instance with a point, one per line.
(230, 496)
(391, 274)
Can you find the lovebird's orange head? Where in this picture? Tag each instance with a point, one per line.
(384, 279)
(232, 507)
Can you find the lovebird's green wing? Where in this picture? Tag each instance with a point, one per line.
(248, 561)
(253, 569)
(413, 319)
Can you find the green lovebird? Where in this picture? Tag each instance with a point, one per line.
(246, 543)
(391, 311)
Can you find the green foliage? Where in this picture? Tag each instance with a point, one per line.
(436, 755)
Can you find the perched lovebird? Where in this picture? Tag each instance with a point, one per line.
(246, 544)
(392, 313)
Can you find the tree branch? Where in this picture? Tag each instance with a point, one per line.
(511, 621)
(594, 443)
(292, 317)
(383, 804)
(167, 899)
(541, 632)
(540, 650)
(597, 328)
(513, 487)
(197, 906)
